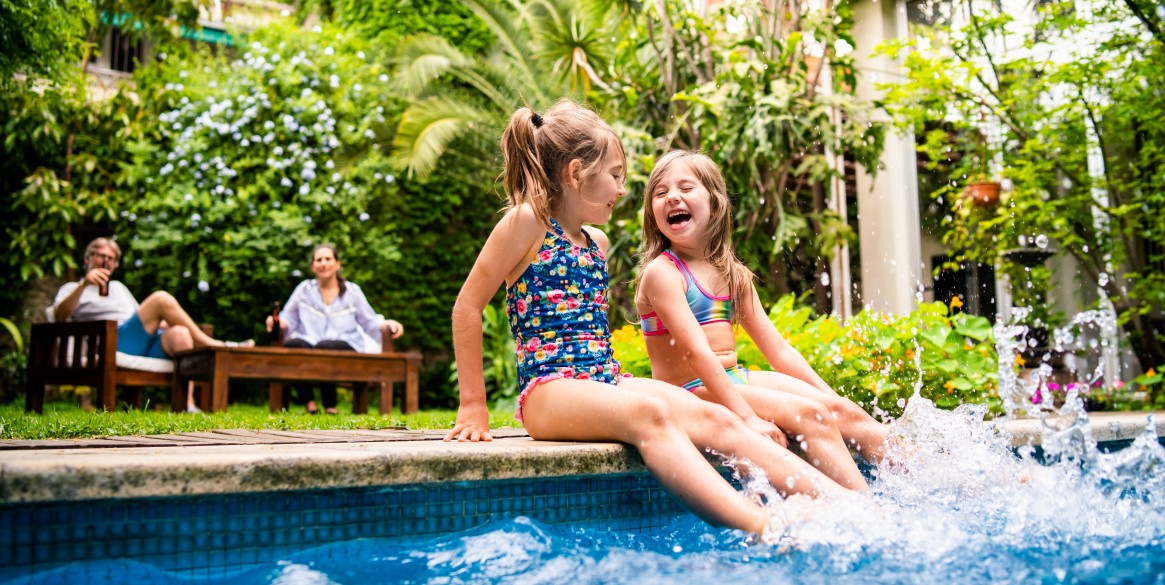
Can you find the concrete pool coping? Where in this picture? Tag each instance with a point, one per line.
(189, 464)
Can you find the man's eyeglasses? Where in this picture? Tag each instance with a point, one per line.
(107, 260)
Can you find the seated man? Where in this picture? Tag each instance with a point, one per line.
(157, 328)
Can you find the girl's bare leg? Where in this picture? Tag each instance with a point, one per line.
(712, 426)
(811, 426)
(860, 430)
(162, 306)
(578, 410)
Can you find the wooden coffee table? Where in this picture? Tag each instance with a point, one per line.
(218, 365)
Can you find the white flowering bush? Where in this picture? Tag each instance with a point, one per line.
(254, 160)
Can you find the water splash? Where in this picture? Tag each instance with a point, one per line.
(1010, 341)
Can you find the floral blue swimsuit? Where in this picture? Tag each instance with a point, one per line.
(558, 315)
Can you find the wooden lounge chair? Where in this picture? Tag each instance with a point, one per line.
(84, 353)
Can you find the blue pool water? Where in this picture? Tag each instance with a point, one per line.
(957, 505)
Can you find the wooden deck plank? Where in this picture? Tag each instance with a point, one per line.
(60, 444)
(246, 437)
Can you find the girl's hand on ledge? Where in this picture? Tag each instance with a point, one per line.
(472, 425)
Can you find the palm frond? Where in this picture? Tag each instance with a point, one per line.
(574, 38)
(426, 130)
(423, 58)
(512, 37)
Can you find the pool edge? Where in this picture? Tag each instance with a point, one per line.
(58, 474)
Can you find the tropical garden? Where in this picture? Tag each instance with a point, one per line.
(374, 125)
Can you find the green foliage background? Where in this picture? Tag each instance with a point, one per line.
(377, 130)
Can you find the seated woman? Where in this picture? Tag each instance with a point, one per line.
(158, 327)
(328, 312)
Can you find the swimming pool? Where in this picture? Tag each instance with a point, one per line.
(959, 505)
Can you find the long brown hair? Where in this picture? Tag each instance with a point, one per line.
(538, 147)
(719, 246)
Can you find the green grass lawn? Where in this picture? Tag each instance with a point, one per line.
(66, 420)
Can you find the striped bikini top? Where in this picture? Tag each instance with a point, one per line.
(707, 308)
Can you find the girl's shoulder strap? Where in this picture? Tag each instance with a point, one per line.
(681, 266)
(590, 241)
(556, 228)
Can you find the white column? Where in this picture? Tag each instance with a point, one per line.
(890, 233)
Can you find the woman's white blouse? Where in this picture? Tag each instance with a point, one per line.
(310, 319)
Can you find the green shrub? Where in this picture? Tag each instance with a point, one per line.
(251, 162)
(877, 360)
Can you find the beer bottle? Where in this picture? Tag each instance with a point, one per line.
(276, 326)
(103, 289)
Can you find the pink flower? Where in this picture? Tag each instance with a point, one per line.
(1118, 384)
(533, 344)
(599, 298)
(546, 255)
(555, 296)
(550, 348)
(522, 306)
(1037, 397)
(572, 302)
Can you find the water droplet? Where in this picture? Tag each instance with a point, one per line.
(824, 279)
(1102, 279)
(1022, 241)
(1042, 241)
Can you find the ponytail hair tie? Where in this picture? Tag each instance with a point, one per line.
(537, 120)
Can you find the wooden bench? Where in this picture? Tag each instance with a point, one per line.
(219, 365)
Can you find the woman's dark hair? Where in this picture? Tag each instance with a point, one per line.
(335, 254)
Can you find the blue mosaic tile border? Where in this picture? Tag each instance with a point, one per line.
(211, 536)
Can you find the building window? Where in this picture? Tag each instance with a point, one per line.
(125, 54)
(930, 12)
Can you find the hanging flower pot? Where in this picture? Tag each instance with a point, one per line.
(983, 193)
(812, 69)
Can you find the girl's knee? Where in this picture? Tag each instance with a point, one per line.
(816, 418)
(842, 408)
(651, 418)
(653, 411)
(720, 417)
(723, 423)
